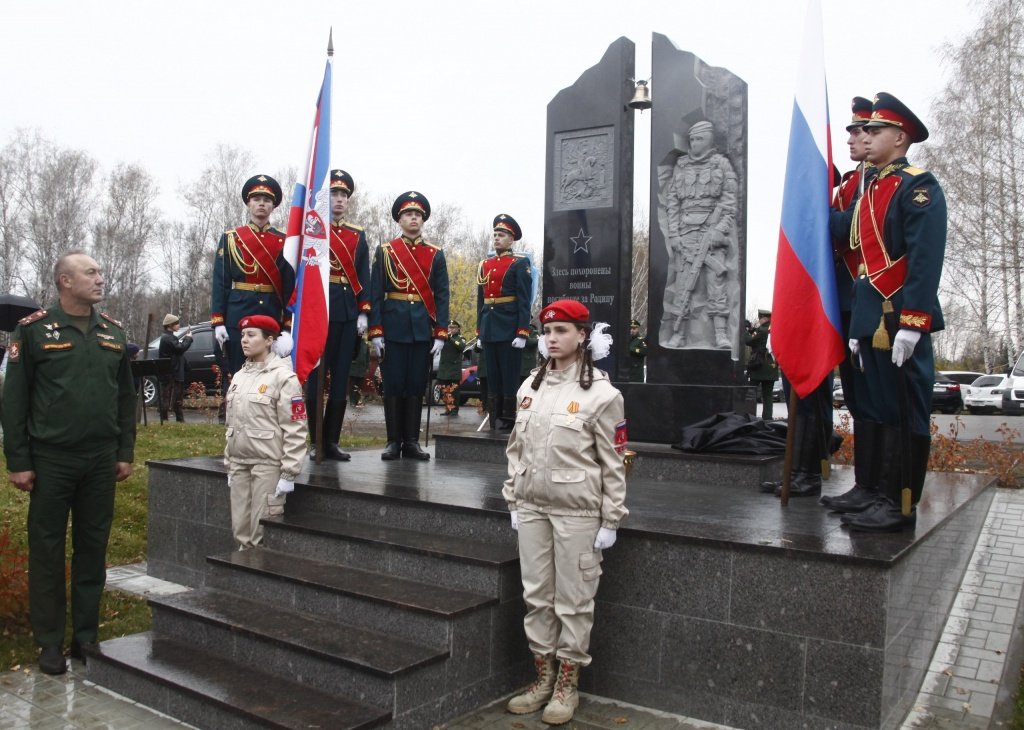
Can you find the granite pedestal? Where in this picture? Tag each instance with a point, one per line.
(715, 602)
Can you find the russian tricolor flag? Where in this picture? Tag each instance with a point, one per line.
(806, 330)
(307, 246)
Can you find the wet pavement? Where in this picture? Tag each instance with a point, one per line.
(970, 684)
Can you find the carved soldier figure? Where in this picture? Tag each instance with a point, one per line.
(701, 208)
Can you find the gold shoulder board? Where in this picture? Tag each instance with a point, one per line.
(34, 317)
(914, 171)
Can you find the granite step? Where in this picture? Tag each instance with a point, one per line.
(416, 611)
(488, 568)
(368, 651)
(185, 682)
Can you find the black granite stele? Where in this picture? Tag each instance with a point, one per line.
(715, 602)
(588, 197)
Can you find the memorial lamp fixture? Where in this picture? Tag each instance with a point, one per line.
(641, 96)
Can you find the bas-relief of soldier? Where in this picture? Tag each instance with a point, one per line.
(698, 219)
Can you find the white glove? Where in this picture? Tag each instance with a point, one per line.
(605, 538)
(438, 344)
(283, 344)
(229, 481)
(220, 333)
(361, 324)
(515, 520)
(286, 486)
(519, 343)
(378, 342)
(903, 346)
(854, 344)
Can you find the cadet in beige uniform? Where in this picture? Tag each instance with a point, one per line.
(565, 489)
(266, 431)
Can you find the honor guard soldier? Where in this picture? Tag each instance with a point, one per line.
(69, 435)
(847, 260)
(408, 318)
(349, 303)
(503, 319)
(899, 228)
(250, 275)
(637, 353)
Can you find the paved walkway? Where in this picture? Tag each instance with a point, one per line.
(969, 686)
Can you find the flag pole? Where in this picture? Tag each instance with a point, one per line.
(321, 376)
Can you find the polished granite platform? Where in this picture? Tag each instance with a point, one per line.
(716, 602)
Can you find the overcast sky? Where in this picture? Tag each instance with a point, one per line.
(448, 98)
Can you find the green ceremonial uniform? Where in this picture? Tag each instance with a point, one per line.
(69, 416)
(761, 367)
(637, 355)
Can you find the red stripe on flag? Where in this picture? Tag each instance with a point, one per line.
(805, 363)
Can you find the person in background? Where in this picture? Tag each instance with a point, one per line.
(529, 353)
(357, 373)
(172, 385)
(566, 491)
(264, 398)
(761, 367)
(449, 369)
(69, 437)
(637, 352)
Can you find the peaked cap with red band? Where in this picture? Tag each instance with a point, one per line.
(505, 222)
(260, 322)
(565, 310)
(888, 111)
(341, 180)
(411, 200)
(262, 185)
(861, 108)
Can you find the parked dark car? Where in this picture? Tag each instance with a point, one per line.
(201, 360)
(946, 396)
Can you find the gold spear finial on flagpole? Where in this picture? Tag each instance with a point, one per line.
(330, 42)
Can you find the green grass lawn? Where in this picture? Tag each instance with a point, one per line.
(120, 614)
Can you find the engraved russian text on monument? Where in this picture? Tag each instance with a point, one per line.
(583, 174)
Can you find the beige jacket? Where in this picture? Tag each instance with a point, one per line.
(266, 416)
(565, 452)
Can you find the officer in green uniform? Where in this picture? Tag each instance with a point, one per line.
(69, 435)
(761, 367)
(637, 353)
(449, 368)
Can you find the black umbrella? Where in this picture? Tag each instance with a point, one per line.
(12, 308)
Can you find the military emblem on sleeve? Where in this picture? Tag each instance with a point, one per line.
(921, 197)
(298, 408)
(621, 436)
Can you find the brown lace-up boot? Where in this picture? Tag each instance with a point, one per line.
(565, 698)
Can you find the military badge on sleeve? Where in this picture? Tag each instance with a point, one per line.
(298, 408)
(921, 197)
(621, 437)
(14, 352)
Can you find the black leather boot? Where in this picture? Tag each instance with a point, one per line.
(885, 515)
(866, 460)
(508, 413)
(393, 424)
(413, 412)
(333, 418)
(179, 416)
(494, 404)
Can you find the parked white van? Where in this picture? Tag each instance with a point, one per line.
(1013, 396)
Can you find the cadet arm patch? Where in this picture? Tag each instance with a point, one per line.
(921, 197)
(298, 408)
(620, 436)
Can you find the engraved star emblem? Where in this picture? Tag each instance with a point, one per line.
(412, 195)
(262, 178)
(580, 242)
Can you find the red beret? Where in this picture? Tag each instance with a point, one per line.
(261, 322)
(565, 310)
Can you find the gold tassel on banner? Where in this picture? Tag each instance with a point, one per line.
(826, 469)
(880, 340)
